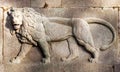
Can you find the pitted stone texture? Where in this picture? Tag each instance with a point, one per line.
(46, 3)
(1, 35)
(1, 68)
(53, 3)
(37, 3)
(58, 67)
(90, 3)
(60, 49)
(15, 3)
(108, 14)
(117, 68)
(101, 34)
(119, 51)
(119, 25)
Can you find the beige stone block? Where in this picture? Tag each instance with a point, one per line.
(90, 3)
(1, 68)
(46, 3)
(60, 49)
(58, 67)
(15, 3)
(118, 51)
(53, 3)
(119, 26)
(117, 68)
(37, 3)
(1, 35)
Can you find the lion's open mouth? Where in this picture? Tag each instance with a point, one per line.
(16, 24)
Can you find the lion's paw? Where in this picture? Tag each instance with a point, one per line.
(15, 60)
(64, 59)
(46, 60)
(93, 60)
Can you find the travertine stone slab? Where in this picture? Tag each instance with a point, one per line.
(1, 68)
(46, 3)
(37, 3)
(117, 68)
(58, 67)
(15, 3)
(90, 3)
(119, 26)
(1, 35)
(54, 3)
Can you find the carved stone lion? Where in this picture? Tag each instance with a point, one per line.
(33, 28)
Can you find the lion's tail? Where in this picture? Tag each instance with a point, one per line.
(107, 24)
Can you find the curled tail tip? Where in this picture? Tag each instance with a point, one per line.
(104, 48)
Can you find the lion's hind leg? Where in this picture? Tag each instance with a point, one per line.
(81, 31)
(93, 51)
(73, 49)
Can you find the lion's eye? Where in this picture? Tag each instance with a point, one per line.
(17, 16)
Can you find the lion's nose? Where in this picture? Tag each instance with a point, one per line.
(15, 21)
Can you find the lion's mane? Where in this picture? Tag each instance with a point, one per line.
(32, 28)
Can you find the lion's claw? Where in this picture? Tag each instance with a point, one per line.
(46, 60)
(15, 60)
(92, 60)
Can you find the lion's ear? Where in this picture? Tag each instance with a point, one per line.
(9, 12)
(12, 32)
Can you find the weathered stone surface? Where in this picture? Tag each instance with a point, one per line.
(60, 49)
(118, 60)
(1, 35)
(15, 3)
(54, 3)
(108, 14)
(1, 68)
(90, 3)
(46, 3)
(37, 3)
(117, 68)
(119, 26)
(58, 67)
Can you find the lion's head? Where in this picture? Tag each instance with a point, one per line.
(17, 18)
(25, 17)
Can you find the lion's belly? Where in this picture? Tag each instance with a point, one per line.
(55, 31)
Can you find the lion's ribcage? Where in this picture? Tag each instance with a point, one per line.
(57, 31)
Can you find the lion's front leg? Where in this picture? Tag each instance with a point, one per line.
(45, 48)
(25, 48)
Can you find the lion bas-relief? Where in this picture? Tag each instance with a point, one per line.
(32, 28)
